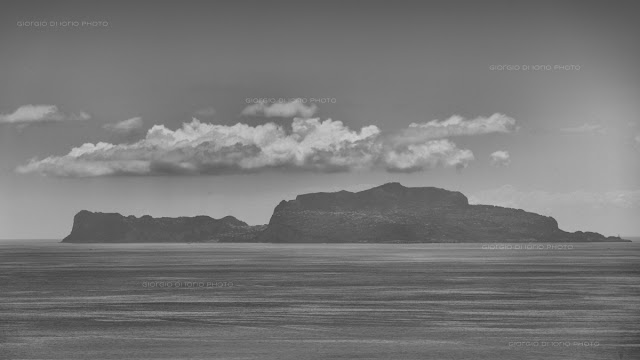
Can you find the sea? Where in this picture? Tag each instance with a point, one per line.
(319, 301)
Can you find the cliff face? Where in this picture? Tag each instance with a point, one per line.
(90, 227)
(394, 213)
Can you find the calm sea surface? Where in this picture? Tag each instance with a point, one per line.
(263, 301)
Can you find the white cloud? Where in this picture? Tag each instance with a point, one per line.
(420, 157)
(206, 112)
(500, 158)
(637, 138)
(584, 129)
(290, 109)
(202, 148)
(125, 126)
(29, 114)
(545, 202)
(456, 126)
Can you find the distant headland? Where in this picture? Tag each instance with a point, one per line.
(390, 213)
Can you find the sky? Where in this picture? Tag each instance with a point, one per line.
(227, 108)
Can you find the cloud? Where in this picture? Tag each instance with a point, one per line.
(206, 112)
(584, 129)
(421, 157)
(456, 126)
(544, 202)
(637, 139)
(290, 109)
(125, 126)
(500, 158)
(30, 114)
(203, 148)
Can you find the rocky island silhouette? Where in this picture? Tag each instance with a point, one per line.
(390, 213)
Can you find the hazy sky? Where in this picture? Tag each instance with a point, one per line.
(133, 107)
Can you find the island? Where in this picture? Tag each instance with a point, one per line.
(96, 227)
(390, 213)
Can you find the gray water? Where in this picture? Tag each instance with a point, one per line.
(264, 301)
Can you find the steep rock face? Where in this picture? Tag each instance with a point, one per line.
(90, 227)
(394, 213)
